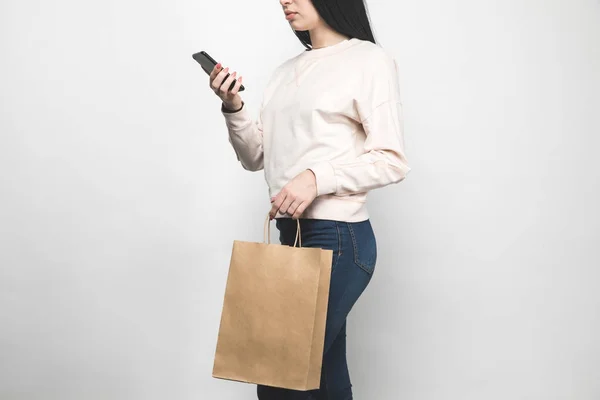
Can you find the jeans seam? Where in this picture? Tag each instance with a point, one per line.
(339, 238)
(339, 247)
(355, 246)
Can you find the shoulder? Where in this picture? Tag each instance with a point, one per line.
(372, 58)
(374, 65)
(368, 47)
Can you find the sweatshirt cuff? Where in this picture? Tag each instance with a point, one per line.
(325, 174)
(237, 119)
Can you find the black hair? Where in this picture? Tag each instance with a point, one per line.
(348, 17)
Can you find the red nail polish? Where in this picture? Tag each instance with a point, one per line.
(219, 66)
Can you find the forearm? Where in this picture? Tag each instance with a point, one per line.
(372, 170)
(245, 137)
(382, 163)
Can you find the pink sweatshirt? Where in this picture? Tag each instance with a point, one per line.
(335, 110)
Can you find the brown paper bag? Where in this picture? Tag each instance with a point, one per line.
(272, 326)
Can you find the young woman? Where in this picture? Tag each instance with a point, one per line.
(329, 130)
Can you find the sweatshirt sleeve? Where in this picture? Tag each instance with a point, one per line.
(382, 161)
(246, 137)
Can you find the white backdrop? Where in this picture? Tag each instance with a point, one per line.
(121, 196)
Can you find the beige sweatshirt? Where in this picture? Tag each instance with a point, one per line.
(335, 110)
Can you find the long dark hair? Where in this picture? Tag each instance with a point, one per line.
(348, 17)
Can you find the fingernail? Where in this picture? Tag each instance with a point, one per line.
(234, 74)
(219, 66)
(240, 79)
(226, 69)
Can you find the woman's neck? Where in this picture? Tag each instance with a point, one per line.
(324, 36)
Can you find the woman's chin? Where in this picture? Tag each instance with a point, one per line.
(297, 26)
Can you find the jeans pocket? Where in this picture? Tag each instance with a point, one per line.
(364, 245)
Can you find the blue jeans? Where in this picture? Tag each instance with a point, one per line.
(354, 256)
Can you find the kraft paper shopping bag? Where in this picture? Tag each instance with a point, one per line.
(273, 319)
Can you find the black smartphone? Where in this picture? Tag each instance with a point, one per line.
(208, 63)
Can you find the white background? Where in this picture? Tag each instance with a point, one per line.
(121, 196)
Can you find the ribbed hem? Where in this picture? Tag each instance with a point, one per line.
(228, 111)
(336, 208)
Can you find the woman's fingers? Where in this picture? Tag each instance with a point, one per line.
(216, 69)
(213, 76)
(224, 89)
(236, 87)
(285, 206)
(299, 211)
(294, 206)
(277, 204)
(218, 81)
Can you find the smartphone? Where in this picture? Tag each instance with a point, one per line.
(208, 63)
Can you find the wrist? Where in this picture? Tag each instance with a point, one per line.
(231, 108)
(325, 180)
(312, 178)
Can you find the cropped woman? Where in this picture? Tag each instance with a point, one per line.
(329, 130)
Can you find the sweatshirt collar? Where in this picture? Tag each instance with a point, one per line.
(327, 50)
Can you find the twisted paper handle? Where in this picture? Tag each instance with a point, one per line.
(267, 233)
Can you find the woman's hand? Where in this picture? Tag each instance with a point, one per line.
(217, 82)
(298, 194)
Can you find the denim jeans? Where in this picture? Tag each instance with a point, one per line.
(354, 256)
